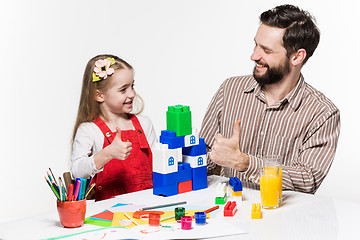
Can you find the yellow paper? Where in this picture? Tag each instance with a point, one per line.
(121, 216)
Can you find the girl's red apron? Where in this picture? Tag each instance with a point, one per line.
(129, 175)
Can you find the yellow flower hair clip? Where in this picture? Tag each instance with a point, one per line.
(102, 69)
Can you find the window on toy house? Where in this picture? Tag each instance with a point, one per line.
(200, 161)
(192, 140)
(171, 161)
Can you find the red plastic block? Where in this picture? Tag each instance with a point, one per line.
(185, 186)
(230, 209)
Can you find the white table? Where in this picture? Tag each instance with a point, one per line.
(302, 216)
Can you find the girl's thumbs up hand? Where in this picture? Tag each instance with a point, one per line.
(119, 149)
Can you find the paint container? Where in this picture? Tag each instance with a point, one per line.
(179, 212)
(186, 222)
(200, 217)
(154, 219)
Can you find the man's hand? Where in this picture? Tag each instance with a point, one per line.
(226, 152)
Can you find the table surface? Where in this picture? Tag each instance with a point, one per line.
(301, 216)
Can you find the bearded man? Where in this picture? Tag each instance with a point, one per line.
(274, 111)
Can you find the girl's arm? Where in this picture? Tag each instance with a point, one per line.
(149, 129)
(88, 141)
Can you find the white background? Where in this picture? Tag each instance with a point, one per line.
(181, 51)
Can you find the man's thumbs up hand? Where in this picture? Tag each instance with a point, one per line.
(226, 151)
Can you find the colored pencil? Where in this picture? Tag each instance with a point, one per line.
(83, 188)
(53, 175)
(164, 205)
(52, 188)
(76, 194)
(90, 188)
(70, 192)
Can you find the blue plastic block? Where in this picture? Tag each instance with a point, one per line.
(160, 180)
(199, 177)
(166, 191)
(195, 150)
(170, 138)
(235, 184)
(184, 172)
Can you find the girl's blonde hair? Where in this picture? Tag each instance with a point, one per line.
(89, 108)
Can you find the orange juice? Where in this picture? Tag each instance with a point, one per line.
(280, 184)
(270, 187)
(275, 161)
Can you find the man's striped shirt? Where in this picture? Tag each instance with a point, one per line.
(303, 129)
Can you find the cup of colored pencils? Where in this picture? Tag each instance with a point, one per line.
(71, 199)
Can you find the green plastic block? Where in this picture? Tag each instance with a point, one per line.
(178, 119)
(221, 200)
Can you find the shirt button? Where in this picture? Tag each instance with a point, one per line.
(262, 133)
(108, 134)
(99, 187)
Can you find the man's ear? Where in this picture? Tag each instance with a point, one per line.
(298, 57)
(99, 96)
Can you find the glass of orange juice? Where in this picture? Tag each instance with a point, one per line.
(269, 187)
(275, 161)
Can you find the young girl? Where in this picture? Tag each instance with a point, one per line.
(108, 141)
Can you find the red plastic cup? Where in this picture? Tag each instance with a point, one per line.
(72, 213)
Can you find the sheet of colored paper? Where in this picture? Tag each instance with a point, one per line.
(101, 223)
(106, 215)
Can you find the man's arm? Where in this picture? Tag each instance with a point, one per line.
(315, 157)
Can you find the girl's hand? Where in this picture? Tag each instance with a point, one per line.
(119, 149)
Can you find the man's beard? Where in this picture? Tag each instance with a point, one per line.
(272, 75)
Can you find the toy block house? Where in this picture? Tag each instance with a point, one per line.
(179, 160)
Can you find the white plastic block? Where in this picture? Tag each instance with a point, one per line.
(193, 139)
(165, 160)
(220, 190)
(195, 161)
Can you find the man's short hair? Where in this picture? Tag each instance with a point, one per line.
(300, 28)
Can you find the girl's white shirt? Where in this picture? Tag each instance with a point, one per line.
(89, 140)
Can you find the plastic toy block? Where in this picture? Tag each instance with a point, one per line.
(170, 138)
(234, 194)
(221, 200)
(235, 184)
(160, 180)
(220, 193)
(220, 190)
(195, 161)
(166, 191)
(165, 160)
(256, 211)
(230, 209)
(196, 150)
(191, 140)
(184, 172)
(174, 173)
(178, 119)
(185, 186)
(199, 178)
